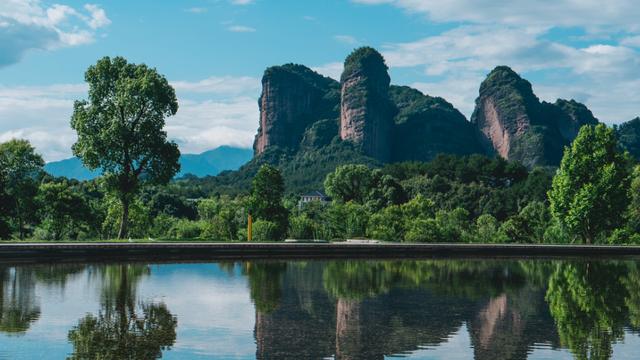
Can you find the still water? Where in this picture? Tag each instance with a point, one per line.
(428, 309)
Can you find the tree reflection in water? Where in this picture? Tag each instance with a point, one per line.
(18, 304)
(124, 328)
(588, 303)
(383, 308)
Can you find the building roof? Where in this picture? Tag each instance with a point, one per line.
(315, 193)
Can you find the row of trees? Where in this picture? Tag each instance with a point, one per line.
(593, 198)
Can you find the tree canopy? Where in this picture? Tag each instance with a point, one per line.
(121, 128)
(589, 191)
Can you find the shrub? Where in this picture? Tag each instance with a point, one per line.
(187, 229)
(486, 230)
(388, 224)
(301, 227)
(423, 230)
(264, 230)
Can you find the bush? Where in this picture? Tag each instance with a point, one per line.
(301, 227)
(264, 230)
(163, 225)
(486, 230)
(387, 225)
(423, 230)
(187, 229)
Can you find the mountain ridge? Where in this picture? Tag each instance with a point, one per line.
(208, 163)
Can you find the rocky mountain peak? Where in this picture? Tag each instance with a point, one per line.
(366, 112)
(293, 97)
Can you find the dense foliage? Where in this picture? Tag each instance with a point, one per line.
(590, 190)
(452, 198)
(120, 128)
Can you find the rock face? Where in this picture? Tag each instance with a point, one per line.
(628, 134)
(505, 109)
(570, 116)
(517, 126)
(293, 97)
(366, 112)
(426, 126)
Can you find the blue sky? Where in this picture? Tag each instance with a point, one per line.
(214, 52)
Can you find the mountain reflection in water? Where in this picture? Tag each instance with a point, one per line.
(585, 309)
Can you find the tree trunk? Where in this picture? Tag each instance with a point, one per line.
(124, 221)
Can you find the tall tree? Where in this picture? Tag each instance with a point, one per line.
(266, 198)
(633, 213)
(589, 191)
(21, 169)
(120, 128)
(61, 209)
(5, 232)
(350, 183)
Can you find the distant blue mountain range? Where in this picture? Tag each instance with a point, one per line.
(210, 162)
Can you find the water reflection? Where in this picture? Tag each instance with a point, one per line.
(347, 309)
(124, 328)
(18, 305)
(396, 307)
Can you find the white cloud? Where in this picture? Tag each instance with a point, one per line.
(242, 2)
(212, 112)
(196, 10)
(98, 16)
(332, 70)
(594, 15)
(456, 61)
(346, 39)
(240, 28)
(220, 85)
(28, 24)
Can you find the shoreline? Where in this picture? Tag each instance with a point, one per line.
(185, 251)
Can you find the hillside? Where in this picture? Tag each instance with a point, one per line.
(208, 163)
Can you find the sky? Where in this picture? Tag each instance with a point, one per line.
(214, 52)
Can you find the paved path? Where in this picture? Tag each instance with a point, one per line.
(201, 250)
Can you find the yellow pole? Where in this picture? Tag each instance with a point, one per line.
(249, 228)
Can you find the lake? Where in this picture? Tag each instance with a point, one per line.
(418, 309)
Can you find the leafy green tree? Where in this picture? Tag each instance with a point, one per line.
(62, 211)
(5, 231)
(264, 230)
(301, 227)
(633, 213)
(486, 230)
(423, 230)
(120, 128)
(139, 219)
(528, 226)
(589, 191)
(223, 217)
(387, 224)
(385, 191)
(21, 169)
(350, 183)
(266, 199)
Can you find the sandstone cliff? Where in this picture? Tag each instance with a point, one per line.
(366, 112)
(293, 97)
(504, 110)
(517, 126)
(569, 116)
